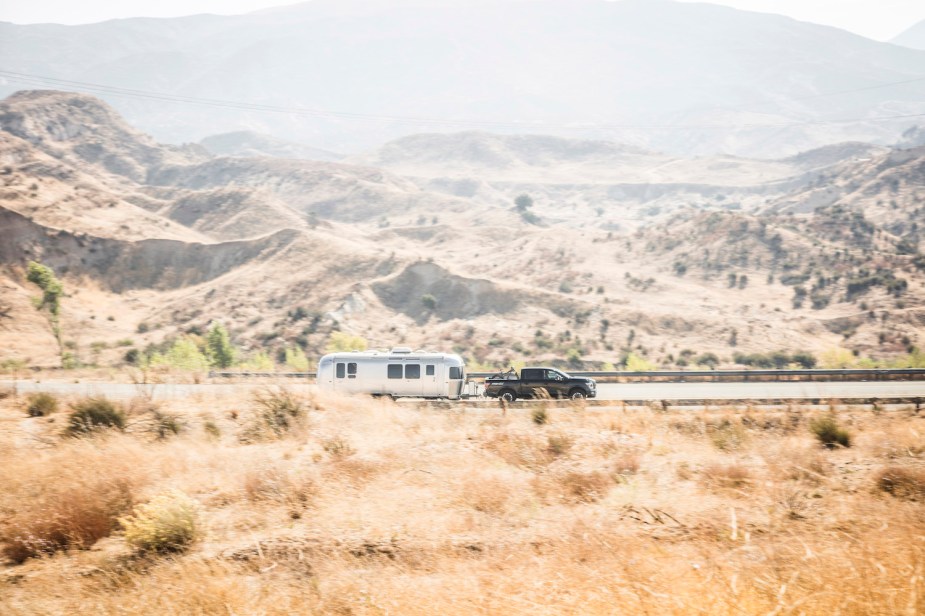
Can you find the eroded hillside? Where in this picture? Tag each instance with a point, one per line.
(616, 250)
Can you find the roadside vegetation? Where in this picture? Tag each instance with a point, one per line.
(278, 501)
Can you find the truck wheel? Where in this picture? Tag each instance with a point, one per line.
(508, 395)
(576, 394)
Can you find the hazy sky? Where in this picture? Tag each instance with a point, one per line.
(877, 19)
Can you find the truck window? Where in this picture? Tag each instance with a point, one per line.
(340, 370)
(413, 371)
(351, 370)
(552, 375)
(429, 371)
(456, 373)
(394, 371)
(532, 374)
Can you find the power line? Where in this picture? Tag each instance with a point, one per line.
(88, 87)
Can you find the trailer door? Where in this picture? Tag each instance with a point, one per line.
(414, 384)
(340, 375)
(434, 384)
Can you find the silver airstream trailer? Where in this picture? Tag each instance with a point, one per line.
(400, 372)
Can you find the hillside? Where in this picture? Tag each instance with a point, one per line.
(913, 38)
(431, 250)
(346, 76)
(248, 144)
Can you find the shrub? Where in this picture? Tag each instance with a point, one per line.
(902, 482)
(726, 435)
(211, 429)
(829, 433)
(165, 425)
(75, 516)
(92, 414)
(168, 523)
(429, 301)
(277, 412)
(558, 444)
(539, 416)
(41, 404)
(338, 447)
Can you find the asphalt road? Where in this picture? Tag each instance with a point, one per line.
(606, 391)
(760, 391)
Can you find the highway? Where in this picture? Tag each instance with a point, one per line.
(606, 391)
(760, 391)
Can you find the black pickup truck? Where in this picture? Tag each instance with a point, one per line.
(538, 383)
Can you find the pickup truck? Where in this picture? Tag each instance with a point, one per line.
(539, 382)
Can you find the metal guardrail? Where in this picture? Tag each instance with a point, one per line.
(718, 376)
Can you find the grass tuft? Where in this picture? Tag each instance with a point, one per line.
(93, 414)
(829, 433)
(41, 404)
(902, 482)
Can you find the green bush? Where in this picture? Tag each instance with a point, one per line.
(41, 404)
(168, 523)
(93, 414)
(829, 433)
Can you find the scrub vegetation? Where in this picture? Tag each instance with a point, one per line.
(366, 506)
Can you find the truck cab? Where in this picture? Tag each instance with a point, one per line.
(540, 382)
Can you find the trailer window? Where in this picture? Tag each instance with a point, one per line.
(394, 371)
(456, 373)
(340, 370)
(429, 371)
(351, 370)
(413, 371)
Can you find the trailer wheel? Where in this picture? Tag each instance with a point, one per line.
(507, 395)
(576, 394)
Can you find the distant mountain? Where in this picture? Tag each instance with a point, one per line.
(912, 137)
(546, 160)
(671, 76)
(914, 37)
(248, 144)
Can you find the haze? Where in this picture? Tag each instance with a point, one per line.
(881, 20)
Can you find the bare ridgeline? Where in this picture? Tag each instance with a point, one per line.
(733, 205)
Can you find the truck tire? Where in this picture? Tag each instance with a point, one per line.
(577, 394)
(508, 395)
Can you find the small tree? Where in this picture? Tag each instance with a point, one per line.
(429, 301)
(218, 346)
(183, 355)
(52, 290)
(260, 362)
(340, 342)
(634, 363)
(523, 202)
(295, 359)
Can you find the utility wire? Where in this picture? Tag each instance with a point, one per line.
(83, 86)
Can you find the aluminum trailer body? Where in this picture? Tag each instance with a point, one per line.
(399, 373)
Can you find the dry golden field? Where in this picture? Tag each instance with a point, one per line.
(354, 506)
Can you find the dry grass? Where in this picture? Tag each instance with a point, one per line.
(902, 482)
(374, 507)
